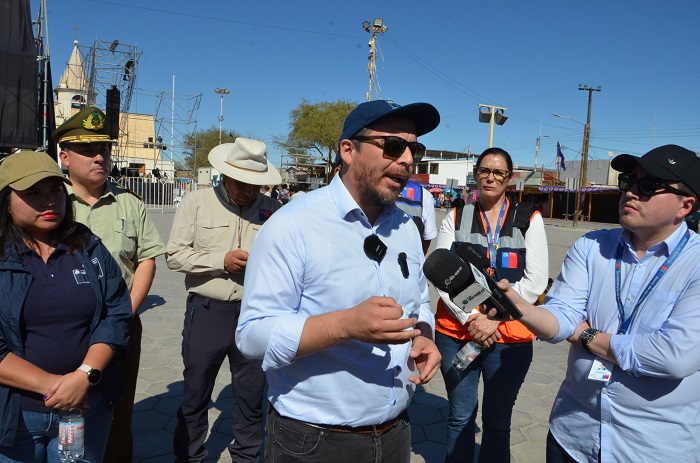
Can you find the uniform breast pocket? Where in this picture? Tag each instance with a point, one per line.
(410, 297)
(213, 234)
(126, 229)
(656, 309)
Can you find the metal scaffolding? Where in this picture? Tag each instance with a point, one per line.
(175, 117)
(107, 65)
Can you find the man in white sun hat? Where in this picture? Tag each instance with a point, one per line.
(212, 232)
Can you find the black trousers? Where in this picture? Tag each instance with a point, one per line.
(208, 337)
(120, 445)
(556, 453)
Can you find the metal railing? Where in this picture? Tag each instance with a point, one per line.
(163, 194)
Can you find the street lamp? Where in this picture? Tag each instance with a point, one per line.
(584, 160)
(222, 92)
(377, 27)
(490, 115)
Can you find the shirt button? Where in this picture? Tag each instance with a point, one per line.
(629, 298)
(605, 391)
(604, 421)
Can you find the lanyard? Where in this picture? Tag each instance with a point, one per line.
(493, 238)
(659, 273)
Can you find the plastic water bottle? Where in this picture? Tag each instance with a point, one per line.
(71, 436)
(467, 354)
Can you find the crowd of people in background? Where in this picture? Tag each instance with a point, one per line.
(326, 343)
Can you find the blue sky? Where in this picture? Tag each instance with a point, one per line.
(527, 56)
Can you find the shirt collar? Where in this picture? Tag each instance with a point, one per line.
(24, 249)
(665, 246)
(110, 190)
(347, 205)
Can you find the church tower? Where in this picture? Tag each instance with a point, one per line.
(71, 93)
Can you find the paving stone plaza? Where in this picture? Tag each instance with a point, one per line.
(159, 388)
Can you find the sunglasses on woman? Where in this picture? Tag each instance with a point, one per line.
(394, 147)
(646, 186)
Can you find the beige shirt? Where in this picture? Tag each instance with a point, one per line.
(119, 219)
(207, 226)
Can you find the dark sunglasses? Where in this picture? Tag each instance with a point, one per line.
(498, 174)
(646, 186)
(394, 147)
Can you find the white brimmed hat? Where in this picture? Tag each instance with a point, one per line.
(245, 160)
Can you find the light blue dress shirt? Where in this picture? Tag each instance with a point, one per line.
(649, 411)
(307, 260)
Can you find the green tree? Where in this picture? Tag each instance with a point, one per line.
(199, 144)
(314, 129)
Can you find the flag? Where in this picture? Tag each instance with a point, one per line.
(560, 155)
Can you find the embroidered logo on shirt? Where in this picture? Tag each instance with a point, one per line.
(671, 161)
(264, 214)
(98, 267)
(80, 276)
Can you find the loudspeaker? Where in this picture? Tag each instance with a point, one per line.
(500, 118)
(112, 111)
(484, 116)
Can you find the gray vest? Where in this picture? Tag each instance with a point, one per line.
(510, 255)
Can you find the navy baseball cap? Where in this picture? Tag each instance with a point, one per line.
(668, 162)
(424, 116)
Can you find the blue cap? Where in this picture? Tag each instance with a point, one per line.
(424, 116)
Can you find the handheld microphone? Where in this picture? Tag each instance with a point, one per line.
(498, 300)
(463, 282)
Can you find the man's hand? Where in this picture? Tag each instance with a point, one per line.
(427, 358)
(378, 320)
(483, 329)
(508, 290)
(235, 261)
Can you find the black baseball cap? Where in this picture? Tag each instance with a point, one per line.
(668, 162)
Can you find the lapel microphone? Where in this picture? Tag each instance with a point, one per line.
(375, 248)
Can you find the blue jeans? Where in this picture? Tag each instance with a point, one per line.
(37, 435)
(503, 367)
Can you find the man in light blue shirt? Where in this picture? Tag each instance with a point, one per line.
(336, 303)
(628, 300)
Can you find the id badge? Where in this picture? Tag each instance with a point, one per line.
(599, 371)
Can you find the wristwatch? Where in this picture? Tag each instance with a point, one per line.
(94, 375)
(587, 336)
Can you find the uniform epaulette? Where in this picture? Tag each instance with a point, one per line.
(119, 186)
(128, 190)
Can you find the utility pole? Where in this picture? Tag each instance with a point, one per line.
(584, 152)
(377, 27)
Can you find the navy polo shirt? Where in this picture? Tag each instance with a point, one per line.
(56, 315)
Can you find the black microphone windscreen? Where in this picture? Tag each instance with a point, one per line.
(447, 271)
(469, 253)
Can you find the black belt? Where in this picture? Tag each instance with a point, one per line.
(377, 429)
(208, 301)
